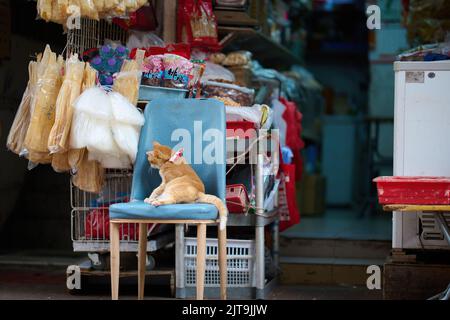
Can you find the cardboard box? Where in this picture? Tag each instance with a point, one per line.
(311, 194)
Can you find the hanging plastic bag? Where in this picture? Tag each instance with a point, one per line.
(90, 175)
(70, 90)
(49, 80)
(126, 124)
(21, 121)
(197, 24)
(128, 79)
(143, 19)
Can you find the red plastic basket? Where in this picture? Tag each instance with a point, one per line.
(237, 198)
(413, 190)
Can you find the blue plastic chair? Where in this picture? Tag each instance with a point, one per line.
(167, 119)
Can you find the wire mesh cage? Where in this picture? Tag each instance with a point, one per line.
(91, 34)
(90, 212)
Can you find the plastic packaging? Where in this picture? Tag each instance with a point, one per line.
(59, 10)
(197, 24)
(43, 104)
(90, 174)
(176, 71)
(153, 70)
(217, 57)
(21, 121)
(94, 109)
(217, 72)
(126, 124)
(139, 39)
(243, 96)
(260, 115)
(129, 78)
(237, 58)
(70, 90)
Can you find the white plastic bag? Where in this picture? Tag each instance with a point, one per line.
(124, 111)
(261, 115)
(126, 124)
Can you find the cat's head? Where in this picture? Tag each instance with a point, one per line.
(160, 155)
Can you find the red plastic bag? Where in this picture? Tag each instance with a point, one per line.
(289, 213)
(96, 226)
(181, 49)
(143, 19)
(197, 24)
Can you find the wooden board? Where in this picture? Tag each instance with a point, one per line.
(407, 281)
(415, 208)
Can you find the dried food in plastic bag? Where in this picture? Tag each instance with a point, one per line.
(214, 72)
(21, 121)
(60, 162)
(43, 103)
(217, 57)
(88, 9)
(176, 71)
(129, 78)
(227, 101)
(237, 58)
(70, 90)
(242, 95)
(78, 143)
(90, 174)
(141, 39)
(153, 70)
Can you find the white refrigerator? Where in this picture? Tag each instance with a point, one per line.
(421, 143)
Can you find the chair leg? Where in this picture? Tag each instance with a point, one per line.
(142, 255)
(201, 259)
(115, 259)
(223, 262)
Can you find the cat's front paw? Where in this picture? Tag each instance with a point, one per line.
(148, 200)
(156, 203)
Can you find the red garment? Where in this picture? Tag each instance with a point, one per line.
(289, 213)
(293, 118)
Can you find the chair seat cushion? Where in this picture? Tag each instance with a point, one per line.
(138, 209)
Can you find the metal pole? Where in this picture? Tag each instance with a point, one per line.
(179, 261)
(259, 229)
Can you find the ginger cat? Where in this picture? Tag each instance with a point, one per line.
(180, 183)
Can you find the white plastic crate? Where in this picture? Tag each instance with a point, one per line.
(240, 263)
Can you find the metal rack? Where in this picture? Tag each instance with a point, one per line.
(260, 285)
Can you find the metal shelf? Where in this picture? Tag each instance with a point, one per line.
(268, 52)
(250, 220)
(153, 245)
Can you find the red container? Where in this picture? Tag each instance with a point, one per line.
(413, 190)
(237, 198)
(241, 129)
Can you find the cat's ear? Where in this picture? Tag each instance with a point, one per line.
(156, 144)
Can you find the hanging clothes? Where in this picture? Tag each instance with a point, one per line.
(293, 119)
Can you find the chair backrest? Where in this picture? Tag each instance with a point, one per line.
(199, 125)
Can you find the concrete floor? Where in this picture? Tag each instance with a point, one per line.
(343, 224)
(49, 283)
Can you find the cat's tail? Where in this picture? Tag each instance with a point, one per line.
(223, 211)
